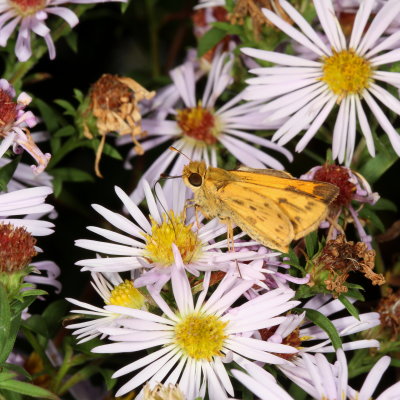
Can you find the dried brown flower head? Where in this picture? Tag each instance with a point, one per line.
(389, 311)
(340, 257)
(252, 8)
(114, 102)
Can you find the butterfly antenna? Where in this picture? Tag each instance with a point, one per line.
(161, 204)
(172, 148)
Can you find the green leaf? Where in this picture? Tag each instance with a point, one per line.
(68, 130)
(108, 149)
(5, 321)
(311, 243)
(72, 40)
(53, 315)
(72, 175)
(67, 106)
(375, 167)
(349, 306)
(51, 118)
(324, 323)
(209, 40)
(17, 369)
(385, 205)
(354, 293)
(228, 27)
(37, 325)
(368, 213)
(79, 95)
(7, 172)
(27, 389)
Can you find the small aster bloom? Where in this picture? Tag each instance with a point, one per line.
(31, 16)
(198, 337)
(353, 187)
(297, 331)
(306, 91)
(113, 290)
(14, 124)
(29, 201)
(148, 242)
(197, 125)
(45, 273)
(325, 381)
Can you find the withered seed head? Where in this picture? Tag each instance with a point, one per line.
(340, 257)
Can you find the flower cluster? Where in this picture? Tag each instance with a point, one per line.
(210, 271)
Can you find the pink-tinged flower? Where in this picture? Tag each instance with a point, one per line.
(325, 381)
(347, 73)
(31, 16)
(197, 126)
(353, 189)
(193, 340)
(299, 332)
(14, 124)
(146, 242)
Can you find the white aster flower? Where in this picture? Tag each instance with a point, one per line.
(196, 125)
(297, 331)
(198, 338)
(15, 123)
(31, 16)
(325, 381)
(346, 73)
(148, 244)
(30, 202)
(113, 290)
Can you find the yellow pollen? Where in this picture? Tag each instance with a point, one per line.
(200, 336)
(346, 73)
(126, 295)
(198, 123)
(172, 230)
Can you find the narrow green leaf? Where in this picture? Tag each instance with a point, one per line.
(311, 243)
(228, 27)
(67, 106)
(27, 389)
(64, 131)
(324, 323)
(349, 306)
(72, 175)
(5, 320)
(375, 167)
(209, 40)
(385, 204)
(51, 119)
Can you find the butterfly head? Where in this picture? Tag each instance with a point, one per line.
(194, 174)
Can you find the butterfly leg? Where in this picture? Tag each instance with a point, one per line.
(229, 233)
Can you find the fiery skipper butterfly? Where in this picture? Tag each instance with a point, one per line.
(271, 206)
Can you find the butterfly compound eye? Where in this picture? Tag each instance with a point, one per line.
(195, 179)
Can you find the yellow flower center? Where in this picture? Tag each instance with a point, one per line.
(198, 123)
(126, 295)
(28, 7)
(346, 73)
(172, 230)
(200, 336)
